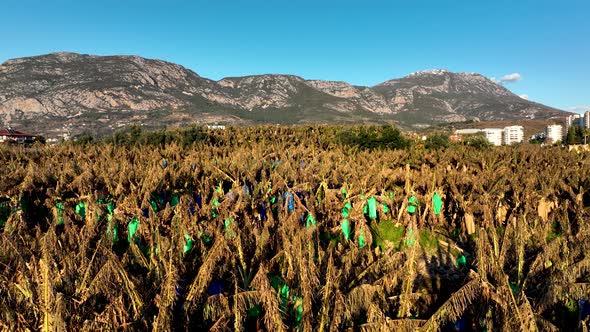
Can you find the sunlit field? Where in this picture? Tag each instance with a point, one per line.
(303, 228)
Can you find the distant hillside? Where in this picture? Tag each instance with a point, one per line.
(72, 93)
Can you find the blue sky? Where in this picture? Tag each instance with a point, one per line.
(547, 43)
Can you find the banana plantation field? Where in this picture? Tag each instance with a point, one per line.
(293, 229)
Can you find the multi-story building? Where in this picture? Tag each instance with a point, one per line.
(553, 133)
(513, 134)
(578, 120)
(494, 135)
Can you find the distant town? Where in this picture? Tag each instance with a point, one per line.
(509, 135)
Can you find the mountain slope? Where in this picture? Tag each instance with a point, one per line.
(452, 97)
(71, 93)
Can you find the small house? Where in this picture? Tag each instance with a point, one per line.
(10, 135)
(216, 127)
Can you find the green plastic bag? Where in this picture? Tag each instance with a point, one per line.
(385, 208)
(412, 204)
(206, 238)
(188, 243)
(81, 210)
(436, 204)
(362, 239)
(344, 193)
(115, 234)
(132, 228)
(346, 209)
(310, 221)
(227, 227)
(255, 311)
(513, 288)
(298, 303)
(60, 213)
(174, 200)
(214, 213)
(285, 291)
(111, 207)
(372, 204)
(345, 226)
(275, 282)
(154, 205)
(284, 295)
(112, 230)
(461, 261)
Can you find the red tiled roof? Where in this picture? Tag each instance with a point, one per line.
(14, 133)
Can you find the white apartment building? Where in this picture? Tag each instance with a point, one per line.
(580, 120)
(494, 135)
(513, 134)
(554, 133)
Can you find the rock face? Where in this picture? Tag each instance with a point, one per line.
(449, 97)
(263, 91)
(72, 93)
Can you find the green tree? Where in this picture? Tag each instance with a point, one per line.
(437, 141)
(40, 139)
(478, 141)
(574, 135)
(193, 134)
(370, 138)
(84, 139)
(134, 134)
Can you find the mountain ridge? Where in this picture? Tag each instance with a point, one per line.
(68, 93)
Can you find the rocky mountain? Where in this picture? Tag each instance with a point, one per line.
(453, 97)
(68, 93)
